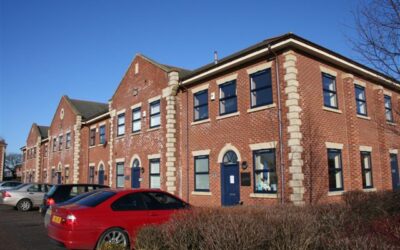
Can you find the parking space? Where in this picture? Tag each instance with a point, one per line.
(23, 230)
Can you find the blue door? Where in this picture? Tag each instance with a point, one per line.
(395, 172)
(58, 177)
(135, 175)
(101, 175)
(230, 188)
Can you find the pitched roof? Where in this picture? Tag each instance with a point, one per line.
(165, 67)
(43, 130)
(88, 109)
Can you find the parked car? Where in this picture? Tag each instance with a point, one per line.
(111, 217)
(25, 196)
(70, 201)
(63, 192)
(9, 184)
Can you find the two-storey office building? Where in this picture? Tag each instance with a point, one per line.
(285, 120)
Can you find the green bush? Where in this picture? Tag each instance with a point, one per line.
(362, 221)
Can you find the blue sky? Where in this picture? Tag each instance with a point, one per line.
(82, 48)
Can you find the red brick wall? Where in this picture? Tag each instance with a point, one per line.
(2, 154)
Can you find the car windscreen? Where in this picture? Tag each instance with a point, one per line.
(78, 197)
(52, 190)
(95, 199)
(21, 185)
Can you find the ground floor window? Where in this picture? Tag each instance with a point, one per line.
(366, 168)
(201, 169)
(335, 170)
(265, 178)
(120, 175)
(155, 181)
(91, 175)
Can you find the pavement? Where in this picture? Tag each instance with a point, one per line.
(23, 230)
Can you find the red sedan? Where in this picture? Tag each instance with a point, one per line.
(110, 217)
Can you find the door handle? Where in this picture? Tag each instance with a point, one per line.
(31, 193)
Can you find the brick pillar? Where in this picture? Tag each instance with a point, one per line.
(169, 94)
(111, 144)
(77, 148)
(294, 129)
(38, 160)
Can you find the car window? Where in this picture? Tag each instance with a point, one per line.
(14, 184)
(34, 188)
(51, 191)
(7, 184)
(157, 201)
(95, 199)
(129, 202)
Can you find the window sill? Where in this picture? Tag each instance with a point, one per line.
(364, 117)
(220, 117)
(136, 133)
(332, 110)
(153, 129)
(265, 196)
(201, 193)
(92, 146)
(120, 137)
(200, 122)
(335, 193)
(369, 189)
(391, 123)
(273, 105)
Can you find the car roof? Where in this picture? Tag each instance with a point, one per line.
(82, 184)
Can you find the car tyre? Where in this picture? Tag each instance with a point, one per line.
(113, 237)
(24, 205)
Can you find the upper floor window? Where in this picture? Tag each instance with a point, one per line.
(68, 140)
(155, 114)
(200, 105)
(155, 181)
(60, 142)
(46, 150)
(227, 98)
(265, 178)
(261, 88)
(329, 88)
(366, 168)
(202, 173)
(102, 134)
(136, 120)
(361, 100)
(92, 140)
(121, 124)
(54, 144)
(335, 170)
(388, 108)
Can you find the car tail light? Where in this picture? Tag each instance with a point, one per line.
(6, 194)
(69, 220)
(50, 201)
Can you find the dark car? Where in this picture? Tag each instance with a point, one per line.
(63, 192)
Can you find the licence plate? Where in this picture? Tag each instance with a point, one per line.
(56, 219)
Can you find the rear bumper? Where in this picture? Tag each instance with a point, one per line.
(71, 239)
(8, 201)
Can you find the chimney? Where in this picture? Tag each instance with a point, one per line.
(215, 57)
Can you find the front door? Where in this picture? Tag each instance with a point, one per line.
(230, 184)
(58, 177)
(135, 175)
(101, 175)
(395, 172)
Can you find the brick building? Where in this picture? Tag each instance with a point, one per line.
(3, 146)
(284, 120)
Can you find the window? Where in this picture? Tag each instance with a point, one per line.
(46, 150)
(202, 178)
(120, 175)
(155, 114)
(129, 202)
(155, 181)
(121, 125)
(91, 175)
(227, 98)
(200, 105)
(92, 139)
(54, 144)
(366, 168)
(388, 108)
(162, 201)
(66, 174)
(68, 140)
(261, 88)
(265, 178)
(102, 134)
(136, 122)
(60, 141)
(361, 100)
(335, 170)
(34, 152)
(329, 88)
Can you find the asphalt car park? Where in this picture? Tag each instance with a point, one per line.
(23, 230)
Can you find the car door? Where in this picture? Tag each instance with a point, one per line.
(35, 194)
(130, 212)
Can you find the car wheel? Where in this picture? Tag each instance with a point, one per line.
(113, 238)
(24, 205)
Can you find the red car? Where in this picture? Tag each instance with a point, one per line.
(111, 216)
